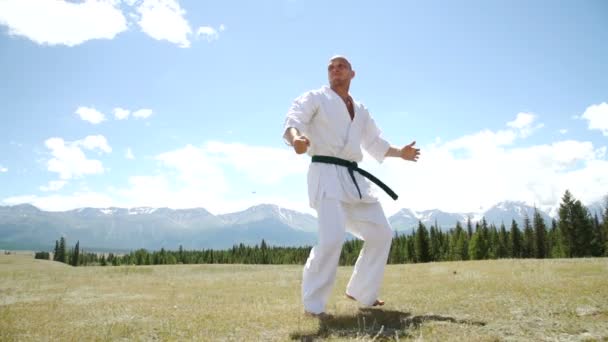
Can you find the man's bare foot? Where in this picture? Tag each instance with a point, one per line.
(378, 302)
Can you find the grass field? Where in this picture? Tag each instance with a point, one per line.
(511, 300)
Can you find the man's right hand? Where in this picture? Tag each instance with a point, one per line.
(300, 144)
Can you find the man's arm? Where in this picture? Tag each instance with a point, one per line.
(299, 142)
(408, 152)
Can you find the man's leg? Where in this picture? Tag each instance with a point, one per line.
(368, 222)
(320, 269)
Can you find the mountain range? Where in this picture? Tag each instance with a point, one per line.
(120, 229)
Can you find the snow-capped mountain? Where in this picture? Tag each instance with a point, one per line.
(406, 219)
(293, 219)
(441, 218)
(503, 212)
(25, 226)
(506, 212)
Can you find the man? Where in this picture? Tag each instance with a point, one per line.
(332, 127)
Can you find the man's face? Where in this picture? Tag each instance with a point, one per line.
(339, 72)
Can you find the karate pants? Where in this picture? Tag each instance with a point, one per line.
(365, 221)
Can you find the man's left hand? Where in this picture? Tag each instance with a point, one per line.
(409, 152)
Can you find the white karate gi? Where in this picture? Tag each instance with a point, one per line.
(323, 117)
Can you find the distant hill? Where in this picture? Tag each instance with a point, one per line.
(503, 212)
(27, 227)
(406, 219)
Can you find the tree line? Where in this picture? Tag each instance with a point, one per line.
(71, 256)
(577, 233)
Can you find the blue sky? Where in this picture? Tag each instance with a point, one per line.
(181, 103)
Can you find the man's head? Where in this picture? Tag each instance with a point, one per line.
(339, 72)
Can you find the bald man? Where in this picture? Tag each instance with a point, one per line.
(333, 128)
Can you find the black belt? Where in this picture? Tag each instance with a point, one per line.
(352, 167)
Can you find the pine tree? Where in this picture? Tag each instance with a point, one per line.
(503, 242)
(528, 245)
(597, 241)
(56, 251)
(516, 240)
(435, 252)
(483, 242)
(457, 242)
(422, 244)
(462, 244)
(566, 224)
(576, 227)
(397, 252)
(540, 235)
(180, 258)
(476, 246)
(444, 245)
(557, 249)
(141, 256)
(411, 248)
(62, 251)
(493, 243)
(76, 255)
(583, 225)
(264, 252)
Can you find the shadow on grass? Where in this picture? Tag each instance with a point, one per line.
(375, 323)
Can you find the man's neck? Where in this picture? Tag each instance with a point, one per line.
(341, 90)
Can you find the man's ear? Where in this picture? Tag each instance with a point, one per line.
(352, 74)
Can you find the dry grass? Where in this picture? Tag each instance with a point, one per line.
(469, 301)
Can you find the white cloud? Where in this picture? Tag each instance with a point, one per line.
(3, 169)
(121, 114)
(148, 191)
(481, 143)
(487, 141)
(521, 121)
(142, 113)
(477, 171)
(90, 114)
(164, 20)
(195, 168)
(209, 33)
(69, 161)
(219, 177)
(53, 185)
(524, 124)
(61, 22)
(129, 154)
(490, 170)
(93, 142)
(597, 116)
(563, 131)
(265, 165)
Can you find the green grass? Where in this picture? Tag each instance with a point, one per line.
(468, 301)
